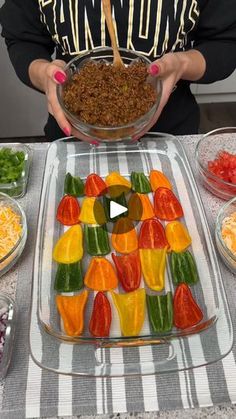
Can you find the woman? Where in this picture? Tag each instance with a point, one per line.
(187, 40)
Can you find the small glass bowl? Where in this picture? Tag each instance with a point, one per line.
(17, 189)
(10, 259)
(222, 139)
(227, 256)
(108, 134)
(7, 302)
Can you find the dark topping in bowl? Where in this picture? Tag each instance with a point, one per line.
(104, 95)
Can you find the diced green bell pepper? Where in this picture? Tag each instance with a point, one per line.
(73, 185)
(160, 312)
(140, 183)
(120, 200)
(69, 277)
(183, 268)
(96, 240)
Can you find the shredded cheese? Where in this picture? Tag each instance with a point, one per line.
(10, 229)
(229, 232)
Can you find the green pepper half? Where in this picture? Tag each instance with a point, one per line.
(96, 240)
(73, 185)
(183, 268)
(160, 312)
(140, 183)
(69, 277)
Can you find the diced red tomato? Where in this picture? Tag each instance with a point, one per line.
(224, 166)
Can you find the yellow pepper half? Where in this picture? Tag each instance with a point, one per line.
(100, 275)
(117, 184)
(153, 263)
(71, 309)
(124, 236)
(92, 212)
(131, 311)
(69, 247)
(177, 236)
(159, 180)
(140, 207)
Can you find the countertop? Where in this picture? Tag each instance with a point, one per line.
(212, 204)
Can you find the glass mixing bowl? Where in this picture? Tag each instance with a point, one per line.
(102, 133)
(208, 148)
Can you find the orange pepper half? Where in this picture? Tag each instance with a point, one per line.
(140, 207)
(159, 180)
(124, 237)
(71, 309)
(100, 275)
(177, 236)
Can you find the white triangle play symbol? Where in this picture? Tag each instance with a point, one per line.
(116, 209)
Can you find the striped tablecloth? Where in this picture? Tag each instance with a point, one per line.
(29, 391)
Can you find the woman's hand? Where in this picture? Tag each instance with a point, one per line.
(45, 76)
(172, 67)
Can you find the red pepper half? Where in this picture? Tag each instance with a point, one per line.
(95, 185)
(152, 235)
(100, 322)
(186, 311)
(166, 205)
(68, 211)
(128, 270)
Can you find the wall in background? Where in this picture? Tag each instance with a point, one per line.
(23, 111)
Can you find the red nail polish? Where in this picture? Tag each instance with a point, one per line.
(67, 131)
(154, 69)
(60, 77)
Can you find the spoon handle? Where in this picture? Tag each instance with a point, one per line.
(117, 61)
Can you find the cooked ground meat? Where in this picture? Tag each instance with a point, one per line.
(103, 95)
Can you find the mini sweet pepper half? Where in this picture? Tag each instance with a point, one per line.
(69, 247)
(160, 312)
(128, 270)
(159, 180)
(124, 237)
(96, 240)
(100, 321)
(140, 207)
(131, 311)
(73, 185)
(140, 183)
(166, 205)
(152, 235)
(68, 211)
(95, 185)
(71, 309)
(183, 268)
(117, 184)
(92, 211)
(153, 263)
(100, 275)
(107, 206)
(68, 277)
(187, 313)
(177, 236)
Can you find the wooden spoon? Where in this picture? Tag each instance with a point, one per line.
(117, 60)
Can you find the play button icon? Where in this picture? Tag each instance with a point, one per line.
(116, 209)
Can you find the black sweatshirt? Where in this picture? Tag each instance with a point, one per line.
(35, 28)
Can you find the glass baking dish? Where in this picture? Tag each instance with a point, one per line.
(157, 151)
(17, 189)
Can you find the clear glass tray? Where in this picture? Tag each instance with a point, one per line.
(147, 353)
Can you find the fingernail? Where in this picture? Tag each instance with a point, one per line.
(67, 131)
(60, 77)
(94, 142)
(154, 69)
